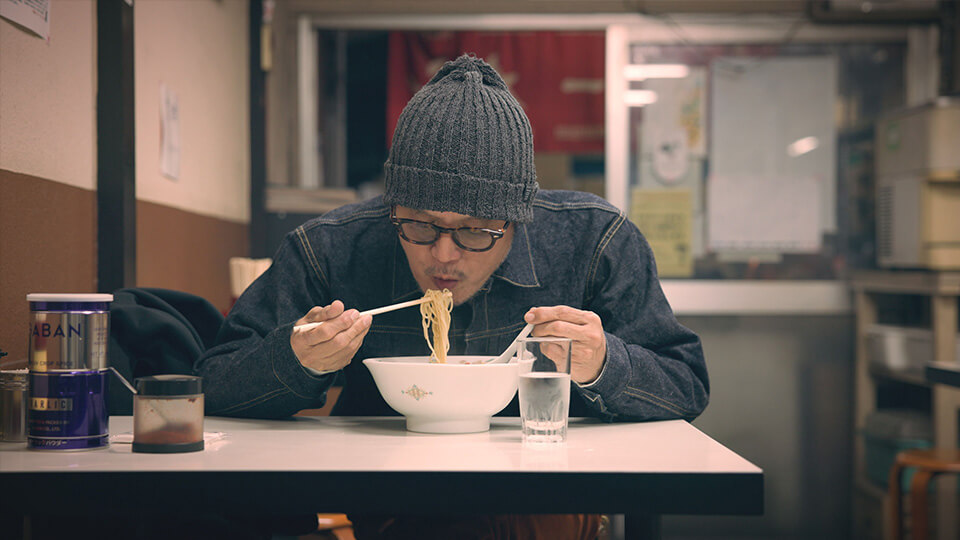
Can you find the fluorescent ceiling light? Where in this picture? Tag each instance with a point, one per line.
(800, 147)
(639, 98)
(641, 72)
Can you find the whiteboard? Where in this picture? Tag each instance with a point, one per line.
(772, 124)
(759, 214)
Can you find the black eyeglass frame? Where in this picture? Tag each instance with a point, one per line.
(495, 234)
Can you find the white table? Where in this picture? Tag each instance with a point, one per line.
(373, 465)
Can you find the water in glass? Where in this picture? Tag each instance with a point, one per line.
(544, 400)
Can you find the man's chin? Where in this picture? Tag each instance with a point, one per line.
(461, 295)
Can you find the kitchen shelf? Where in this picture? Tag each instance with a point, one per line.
(942, 289)
(910, 377)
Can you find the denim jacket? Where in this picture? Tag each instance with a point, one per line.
(579, 251)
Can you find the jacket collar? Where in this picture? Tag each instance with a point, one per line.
(517, 269)
(403, 285)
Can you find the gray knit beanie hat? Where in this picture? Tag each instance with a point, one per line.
(463, 144)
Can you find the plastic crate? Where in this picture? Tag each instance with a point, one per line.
(901, 348)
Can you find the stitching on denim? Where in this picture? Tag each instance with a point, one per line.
(533, 267)
(656, 400)
(403, 330)
(515, 283)
(311, 256)
(495, 332)
(592, 397)
(666, 402)
(604, 242)
(250, 402)
(381, 212)
(395, 330)
(273, 367)
(656, 403)
(396, 333)
(574, 206)
(597, 400)
(398, 262)
(486, 312)
(389, 329)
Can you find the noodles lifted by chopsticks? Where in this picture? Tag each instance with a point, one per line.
(436, 313)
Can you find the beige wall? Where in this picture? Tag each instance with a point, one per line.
(198, 49)
(356, 7)
(47, 164)
(48, 97)
(186, 229)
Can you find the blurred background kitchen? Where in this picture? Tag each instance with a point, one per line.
(795, 165)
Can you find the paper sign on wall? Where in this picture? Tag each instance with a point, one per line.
(169, 133)
(664, 217)
(34, 15)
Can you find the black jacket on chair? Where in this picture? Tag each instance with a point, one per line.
(153, 332)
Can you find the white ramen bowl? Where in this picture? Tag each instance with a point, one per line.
(455, 397)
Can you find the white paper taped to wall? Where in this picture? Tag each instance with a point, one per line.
(34, 15)
(170, 133)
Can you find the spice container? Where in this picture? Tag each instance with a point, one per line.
(13, 405)
(68, 371)
(168, 414)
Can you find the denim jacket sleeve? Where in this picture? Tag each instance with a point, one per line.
(654, 367)
(253, 372)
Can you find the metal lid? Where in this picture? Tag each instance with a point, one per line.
(168, 385)
(69, 297)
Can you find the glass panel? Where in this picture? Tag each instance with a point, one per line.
(756, 161)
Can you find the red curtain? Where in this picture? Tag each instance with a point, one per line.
(556, 76)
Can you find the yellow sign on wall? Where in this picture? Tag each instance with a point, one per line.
(664, 216)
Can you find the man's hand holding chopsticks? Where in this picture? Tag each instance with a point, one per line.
(326, 338)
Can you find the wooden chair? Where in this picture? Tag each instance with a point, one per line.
(928, 464)
(331, 527)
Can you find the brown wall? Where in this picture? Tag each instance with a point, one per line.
(48, 234)
(188, 252)
(47, 244)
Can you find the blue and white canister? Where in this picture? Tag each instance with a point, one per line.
(68, 366)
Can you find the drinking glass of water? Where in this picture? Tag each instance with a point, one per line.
(544, 388)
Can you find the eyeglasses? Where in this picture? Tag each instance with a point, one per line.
(469, 238)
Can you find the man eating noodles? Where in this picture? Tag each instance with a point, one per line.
(462, 211)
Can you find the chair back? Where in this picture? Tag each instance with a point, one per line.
(154, 332)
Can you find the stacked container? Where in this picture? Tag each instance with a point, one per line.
(68, 371)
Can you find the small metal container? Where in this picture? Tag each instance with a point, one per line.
(13, 405)
(168, 414)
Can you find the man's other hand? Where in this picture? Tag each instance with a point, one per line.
(584, 328)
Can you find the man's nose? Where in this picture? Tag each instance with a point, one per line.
(445, 249)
